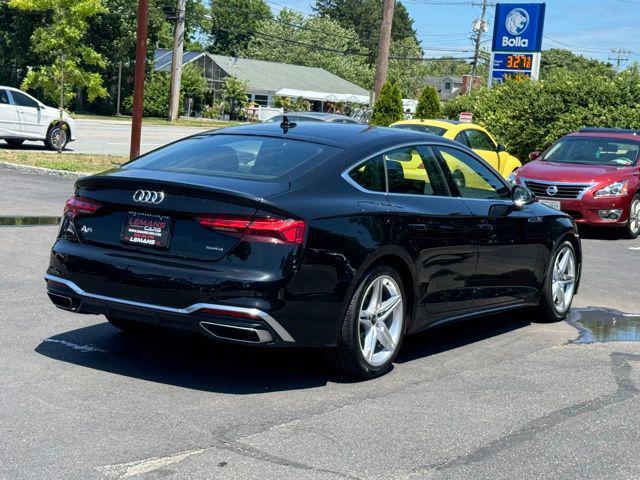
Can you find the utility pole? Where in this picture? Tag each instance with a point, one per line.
(382, 63)
(620, 56)
(138, 81)
(176, 62)
(479, 27)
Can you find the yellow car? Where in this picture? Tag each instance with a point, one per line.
(473, 136)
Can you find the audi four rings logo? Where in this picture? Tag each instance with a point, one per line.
(148, 196)
(552, 190)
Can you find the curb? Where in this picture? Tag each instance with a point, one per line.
(41, 170)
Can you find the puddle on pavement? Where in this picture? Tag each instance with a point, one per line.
(28, 221)
(605, 325)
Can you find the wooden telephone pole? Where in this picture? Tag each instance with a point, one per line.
(479, 27)
(382, 63)
(176, 62)
(138, 82)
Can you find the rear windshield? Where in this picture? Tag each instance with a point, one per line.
(236, 156)
(422, 128)
(594, 151)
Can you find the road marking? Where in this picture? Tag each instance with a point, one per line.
(634, 248)
(75, 346)
(130, 469)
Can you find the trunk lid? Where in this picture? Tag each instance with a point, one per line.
(179, 200)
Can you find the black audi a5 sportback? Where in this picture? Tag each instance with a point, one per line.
(316, 235)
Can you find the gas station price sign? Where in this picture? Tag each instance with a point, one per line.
(517, 41)
(506, 66)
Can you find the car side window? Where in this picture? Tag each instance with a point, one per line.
(4, 98)
(370, 175)
(414, 170)
(471, 177)
(478, 140)
(22, 100)
(462, 138)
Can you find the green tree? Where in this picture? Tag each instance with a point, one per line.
(557, 58)
(340, 52)
(428, 104)
(234, 23)
(62, 45)
(16, 29)
(407, 74)
(234, 93)
(388, 106)
(193, 84)
(364, 17)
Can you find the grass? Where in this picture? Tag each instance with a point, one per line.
(69, 162)
(181, 122)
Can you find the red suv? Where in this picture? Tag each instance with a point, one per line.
(593, 175)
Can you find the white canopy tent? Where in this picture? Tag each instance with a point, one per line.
(323, 96)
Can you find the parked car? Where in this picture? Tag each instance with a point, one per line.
(593, 175)
(309, 236)
(295, 117)
(471, 135)
(23, 117)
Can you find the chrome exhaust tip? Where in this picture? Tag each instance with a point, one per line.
(237, 333)
(62, 301)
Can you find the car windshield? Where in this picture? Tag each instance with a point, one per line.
(422, 128)
(236, 156)
(594, 151)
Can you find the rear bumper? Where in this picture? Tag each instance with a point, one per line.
(585, 211)
(223, 322)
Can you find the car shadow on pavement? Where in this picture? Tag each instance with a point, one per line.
(594, 233)
(191, 361)
(30, 147)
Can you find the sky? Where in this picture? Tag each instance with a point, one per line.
(588, 27)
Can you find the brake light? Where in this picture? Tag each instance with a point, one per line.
(76, 206)
(264, 229)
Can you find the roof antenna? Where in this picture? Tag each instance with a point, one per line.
(286, 125)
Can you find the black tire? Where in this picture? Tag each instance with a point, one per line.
(128, 325)
(57, 134)
(14, 142)
(632, 230)
(547, 311)
(348, 356)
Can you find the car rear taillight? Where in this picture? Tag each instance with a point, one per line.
(264, 229)
(77, 206)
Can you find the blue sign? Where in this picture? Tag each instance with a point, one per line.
(518, 27)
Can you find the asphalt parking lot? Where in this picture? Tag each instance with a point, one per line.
(497, 398)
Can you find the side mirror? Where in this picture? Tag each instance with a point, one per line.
(522, 196)
(535, 154)
(501, 148)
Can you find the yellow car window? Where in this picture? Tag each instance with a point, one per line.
(415, 171)
(471, 177)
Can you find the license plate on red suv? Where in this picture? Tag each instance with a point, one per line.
(147, 230)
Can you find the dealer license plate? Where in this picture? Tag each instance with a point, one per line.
(147, 230)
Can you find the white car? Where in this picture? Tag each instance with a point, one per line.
(22, 117)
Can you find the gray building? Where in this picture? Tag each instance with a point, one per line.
(263, 78)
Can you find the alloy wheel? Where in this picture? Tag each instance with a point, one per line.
(380, 318)
(58, 138)
(634, 216)
(563, 280)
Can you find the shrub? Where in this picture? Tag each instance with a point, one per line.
(388, 107)
(428, 104)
